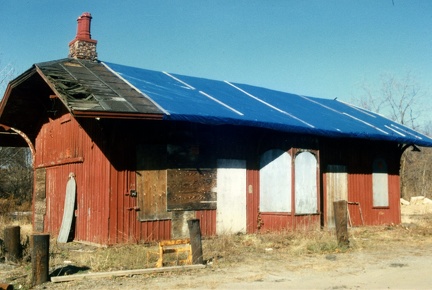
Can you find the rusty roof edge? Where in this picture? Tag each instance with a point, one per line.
(115, 115)
(136, 89)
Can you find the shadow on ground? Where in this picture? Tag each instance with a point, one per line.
(68, 270)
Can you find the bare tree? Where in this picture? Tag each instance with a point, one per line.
(400, 99)
(15, 174)
(15, 163)
(404, 101)
(7, 72)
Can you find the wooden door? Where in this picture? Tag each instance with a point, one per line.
(336, 189)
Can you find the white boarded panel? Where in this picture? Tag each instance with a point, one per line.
(275, 181)
(305, 183)
(231, 196)
(336, 189)
(380, 183)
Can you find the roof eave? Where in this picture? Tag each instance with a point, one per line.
(116, 115)
(14, 83)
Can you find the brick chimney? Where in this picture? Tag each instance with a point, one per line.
(83, 47)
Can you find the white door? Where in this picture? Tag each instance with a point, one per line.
(231, 196)
(336, 189)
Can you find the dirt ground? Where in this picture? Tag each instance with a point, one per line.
(387, 257)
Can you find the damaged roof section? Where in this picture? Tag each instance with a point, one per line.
(88, 87)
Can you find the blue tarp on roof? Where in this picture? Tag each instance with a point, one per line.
(200, 100)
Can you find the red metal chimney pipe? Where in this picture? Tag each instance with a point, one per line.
(83, 47)
(83, 30)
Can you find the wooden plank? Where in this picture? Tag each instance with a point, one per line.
(152, 199)
(124, 273)
(174, 242)
(68, 210)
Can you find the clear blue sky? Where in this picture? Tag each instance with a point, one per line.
(321, 48)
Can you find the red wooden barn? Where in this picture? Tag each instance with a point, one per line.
(151, 150)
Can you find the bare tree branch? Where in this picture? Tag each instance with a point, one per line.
(7, 73)
(399, 99)
(404, 101)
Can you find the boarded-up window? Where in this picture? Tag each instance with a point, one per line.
(151, 182)
(306, 193)
(191, 189)
(380, 183)
(275, 181)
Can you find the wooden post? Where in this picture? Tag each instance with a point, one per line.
(195, 240)
(40, 258)
(341, 222)
(13, 243)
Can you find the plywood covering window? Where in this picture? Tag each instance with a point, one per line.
(306, 193)
(191, 189)
(163, 185)
(151, 182)
(380, 183)
(275, 181)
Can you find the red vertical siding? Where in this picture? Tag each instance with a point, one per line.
(207, 222)
(105, 214)
(74, 151)
(280, 222)
(360, 188)
(275, 222)
(124, 225)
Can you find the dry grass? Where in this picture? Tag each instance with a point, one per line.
(223, 251)
(228, 249)
(10, 204)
